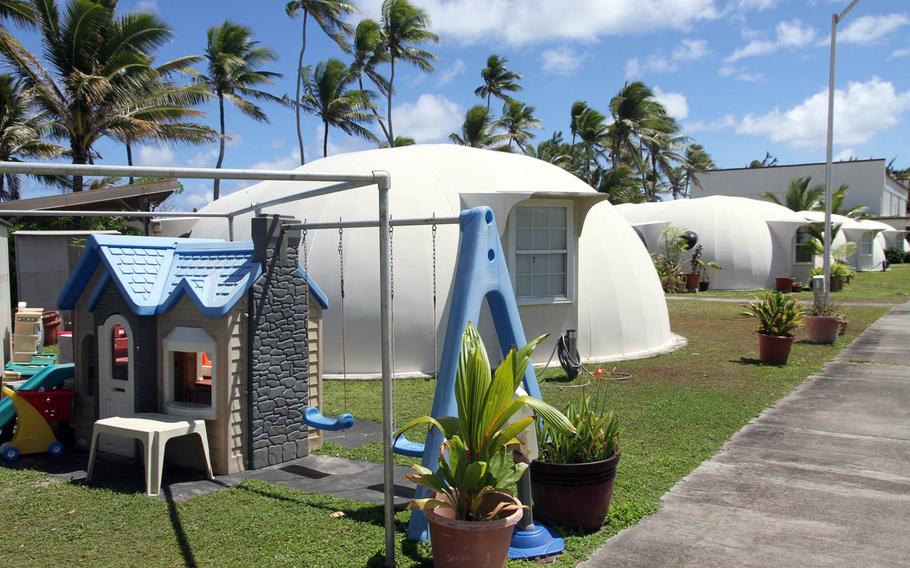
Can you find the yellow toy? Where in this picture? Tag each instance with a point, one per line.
(33, 433)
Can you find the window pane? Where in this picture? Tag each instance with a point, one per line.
(522, 264)
(540, 240)
(523, 286)
(540, 217)
(558, 239)
(120, 347)
(523, 217)
(558, 217)
(558, 285)
(523, 239)
(192, 375)
(539, 285)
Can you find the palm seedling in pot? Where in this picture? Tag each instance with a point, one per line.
(473, 510)
(778, 317)
(572, 478)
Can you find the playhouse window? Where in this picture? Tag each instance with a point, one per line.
(542, 243)
(865, 246)
(190, 380)
(120, 347)
(801, 252)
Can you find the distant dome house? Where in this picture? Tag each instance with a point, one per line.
(754, 241)
(575, 263)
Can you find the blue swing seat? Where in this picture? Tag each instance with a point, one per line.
(313, 418)
(405, 447)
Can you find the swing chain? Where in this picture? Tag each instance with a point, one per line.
(341, 257)
(306, 259)
(434, 260)
(435, 334)
(391, 261)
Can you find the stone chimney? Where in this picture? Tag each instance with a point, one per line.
(277, 349)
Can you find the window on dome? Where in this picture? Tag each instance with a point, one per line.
(542, 251)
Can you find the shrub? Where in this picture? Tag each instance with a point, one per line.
(777, 313)
(894, 255)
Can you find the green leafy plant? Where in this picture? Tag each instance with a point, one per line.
(778, 314)
(476, 471)
(596, 435)
(700, 265)
(668, 262)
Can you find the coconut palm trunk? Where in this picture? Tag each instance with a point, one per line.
(299, 81)
(216, 189)
(325, 139)
(391, 132)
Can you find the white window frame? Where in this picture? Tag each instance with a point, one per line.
(797, 245)
(570, 251)
(862, 244)
(188, 339)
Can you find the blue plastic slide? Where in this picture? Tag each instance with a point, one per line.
(46, 378)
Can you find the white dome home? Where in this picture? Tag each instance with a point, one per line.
(575, 263)
(753, 241)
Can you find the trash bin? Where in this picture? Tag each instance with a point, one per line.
(51, 320)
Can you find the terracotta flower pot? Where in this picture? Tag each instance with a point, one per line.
(692, 279)
(841, 327)
(821, 329)
(774, 349)
(784, 283)
(574, 496)
(797, 286)
(469, 544)
(837, 284)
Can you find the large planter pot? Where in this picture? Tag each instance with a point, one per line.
(692, 279)
(784, 283)
(837, 284)
(704, 285)
(821, 329)
(797, 286)
(774, 349)
(470, 544)
(574, 496)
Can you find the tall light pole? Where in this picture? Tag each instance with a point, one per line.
(826, 261)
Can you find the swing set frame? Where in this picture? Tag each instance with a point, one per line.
(338, 182)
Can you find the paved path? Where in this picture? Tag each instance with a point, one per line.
(821, 479)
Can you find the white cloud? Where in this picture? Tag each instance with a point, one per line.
(726, 121)
(860, 113)
(633, 68)
(691, 49)
(675, 103)
(870, 29)
(454, 70)
(561, 60)
(903, 52)
(155, 156)
(759, 5)
(147, 6)
(430, 118)
(204, 159)
(287, 162)
(278, 143)
(198, 196)
(727, 70)
(520, 22)
(844, 155)
(789, 34)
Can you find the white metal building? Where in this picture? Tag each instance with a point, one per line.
(752, 240)
(574, 261)
(868, 183)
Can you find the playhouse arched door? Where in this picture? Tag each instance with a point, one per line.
(115, 380)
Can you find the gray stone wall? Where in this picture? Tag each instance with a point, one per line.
(277, 376)
(143, 346)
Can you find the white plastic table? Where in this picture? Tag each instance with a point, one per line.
(153, 430)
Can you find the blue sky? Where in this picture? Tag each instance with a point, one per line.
(742, 76)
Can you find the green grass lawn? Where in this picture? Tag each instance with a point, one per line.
(677, 411)
(891, 287)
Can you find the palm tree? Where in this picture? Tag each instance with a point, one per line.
(399, 142)
(765, 162)
(20, 133)
(234, 64)
(553, 150)
(368, 54)
(329, 14)
(478, 129)
(578, 107)
(96, 60)
(838, 197)
(800, 196)
(326, 94)
(697, 161)
(497, 80)
(517, 121)
(663, 152)
(633, 109)
(404, 28)
(21, 12)
(593, 133)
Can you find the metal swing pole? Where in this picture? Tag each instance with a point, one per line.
(385, 320)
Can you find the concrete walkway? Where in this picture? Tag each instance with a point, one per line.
(804, 301)
(822, 479)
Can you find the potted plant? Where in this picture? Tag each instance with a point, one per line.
(797, 286)
(842, 322)
(572, 478)
(473, 510)
(705, 282)
(821, 324)
(841, 273)
(784, 284)
(668, 261)
(778, 316)
(694, 276)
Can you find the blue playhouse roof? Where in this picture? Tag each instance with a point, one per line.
(153, 273)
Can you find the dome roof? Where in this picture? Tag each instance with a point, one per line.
(443, 180)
